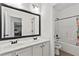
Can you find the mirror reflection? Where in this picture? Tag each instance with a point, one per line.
(17, 23)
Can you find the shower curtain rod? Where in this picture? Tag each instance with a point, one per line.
(57, 19)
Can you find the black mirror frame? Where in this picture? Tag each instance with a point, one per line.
(2, 4)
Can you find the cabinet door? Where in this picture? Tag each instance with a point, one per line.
(46, 49)
(37, 50)
(24, 52)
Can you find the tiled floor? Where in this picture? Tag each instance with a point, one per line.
(65, 54)
(62, 53)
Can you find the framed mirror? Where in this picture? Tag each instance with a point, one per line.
(18, 23)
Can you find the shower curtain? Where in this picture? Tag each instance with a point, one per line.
(77, 20)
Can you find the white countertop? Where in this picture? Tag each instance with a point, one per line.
(4, 48)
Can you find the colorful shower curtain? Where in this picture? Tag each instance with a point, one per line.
(77, 21)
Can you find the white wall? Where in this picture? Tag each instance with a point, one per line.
(67, 29)
(26, 6)
(46, 23)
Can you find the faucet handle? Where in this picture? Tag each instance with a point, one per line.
(13, 42)
(35, 38)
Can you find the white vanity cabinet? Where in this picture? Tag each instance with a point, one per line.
(21, 52)
(37, 50)
(25, 52)
(40, 49)
(46, 49)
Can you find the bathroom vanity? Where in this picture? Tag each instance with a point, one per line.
(26, 48)
(15, 26)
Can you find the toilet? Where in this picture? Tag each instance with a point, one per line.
(57, 46)
(57, 49)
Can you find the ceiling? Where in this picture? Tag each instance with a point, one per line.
(61, 6)
(57, 6)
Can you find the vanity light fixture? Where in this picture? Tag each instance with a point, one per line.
(35, 5)
(36, 8)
